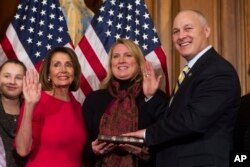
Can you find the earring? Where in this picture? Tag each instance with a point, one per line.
(49, 79)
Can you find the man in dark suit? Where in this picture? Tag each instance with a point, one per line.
(197, 127)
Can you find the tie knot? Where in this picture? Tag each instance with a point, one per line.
(186, 69)
(183, 74)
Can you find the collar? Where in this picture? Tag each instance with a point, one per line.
(199, 55)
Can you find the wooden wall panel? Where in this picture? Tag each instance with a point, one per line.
(228, 30)
(243, 43)
(162, 18)
(246, 42)
(171, 8)
(7, 11)
(161, 14)
(209, 9)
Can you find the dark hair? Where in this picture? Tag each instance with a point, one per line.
(44, 71)
(14, 61)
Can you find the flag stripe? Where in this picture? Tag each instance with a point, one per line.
(79, 95)
(3, 57)
(162, 57)
(92, 59)
(85, 86)
(7, 48)
(87, 72)
(18, 48)
(97, 46)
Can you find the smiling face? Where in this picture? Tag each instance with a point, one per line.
(123, 63)
(190, 33)
(61, 70)
(11, 80)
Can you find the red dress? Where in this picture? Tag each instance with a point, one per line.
(58, 133)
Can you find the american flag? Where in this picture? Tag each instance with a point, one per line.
(37, 26)
(118, 19)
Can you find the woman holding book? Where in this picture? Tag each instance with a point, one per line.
(123, 104)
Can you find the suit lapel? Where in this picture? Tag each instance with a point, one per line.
(194, 71)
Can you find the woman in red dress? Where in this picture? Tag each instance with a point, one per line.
(51, 128)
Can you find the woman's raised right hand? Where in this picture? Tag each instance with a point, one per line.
(31, 87)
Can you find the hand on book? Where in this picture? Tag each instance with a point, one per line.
(139, 134)
(142, 152)
(104, 144)
(100, 147)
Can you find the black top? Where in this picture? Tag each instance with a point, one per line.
(8, 124)
(95, 105)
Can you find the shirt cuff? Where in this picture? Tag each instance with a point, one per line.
(145, 134)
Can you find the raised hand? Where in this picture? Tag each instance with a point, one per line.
(31, 87)
(150, 81)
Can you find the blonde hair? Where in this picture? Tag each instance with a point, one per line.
(136, 53)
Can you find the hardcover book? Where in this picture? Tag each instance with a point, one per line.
(121, 139)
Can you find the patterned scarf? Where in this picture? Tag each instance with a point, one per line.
(120, 117)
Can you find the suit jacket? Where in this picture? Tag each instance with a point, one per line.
(242, 127)
(96, 104)
(197, 128)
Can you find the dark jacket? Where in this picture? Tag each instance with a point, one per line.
(242, 126)
(95, 105)
(197, 128)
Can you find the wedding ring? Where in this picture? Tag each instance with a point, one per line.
(146, 74)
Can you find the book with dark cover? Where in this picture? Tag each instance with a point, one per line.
(121, 139)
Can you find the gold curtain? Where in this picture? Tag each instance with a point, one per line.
(78, 17)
